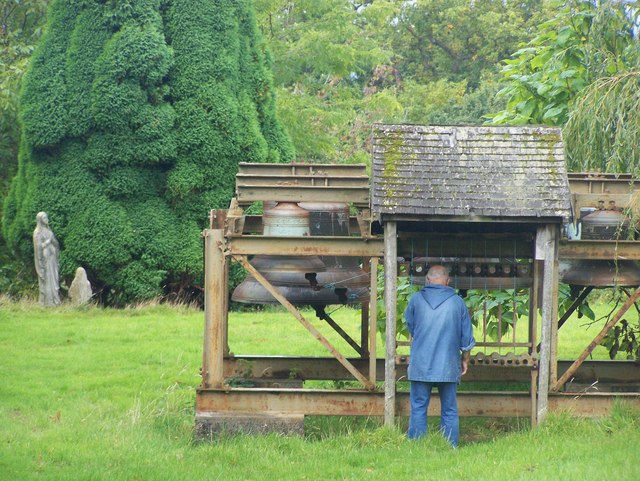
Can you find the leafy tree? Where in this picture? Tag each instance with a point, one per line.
(326, 53)
(609, 107)
(345, 64)
(135, 115)
(585, 41)
(20, 29)
(459, 40)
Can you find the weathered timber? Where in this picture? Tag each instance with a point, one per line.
(390, 301)
(311, 402)
(358, 196)
(300, 246)
(600, 249)
(303, 169)
(215, 312)
(325, 402)
(328, 368)
(298, 182)
(546, 251)
(373, 319)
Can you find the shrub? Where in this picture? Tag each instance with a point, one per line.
(135, 115)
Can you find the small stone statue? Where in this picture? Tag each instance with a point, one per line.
(47, 260)
(80, 289)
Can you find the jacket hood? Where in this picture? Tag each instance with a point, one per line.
(435, 294)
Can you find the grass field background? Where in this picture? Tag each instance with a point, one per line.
(101, 394)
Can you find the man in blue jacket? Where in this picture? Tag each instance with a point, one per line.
(441, 330)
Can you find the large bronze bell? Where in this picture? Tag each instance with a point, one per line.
(602, 224)
(605, 224)
(306, 280)
(600, 273)
(293, 276)
(343, 281)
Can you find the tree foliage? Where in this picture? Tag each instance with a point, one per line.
(344, 64)
(20, 29)
(134, 117)
(585, 41)
(460, 40)
(609, 106)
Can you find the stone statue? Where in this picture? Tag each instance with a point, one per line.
(47, 260)
(80, 289)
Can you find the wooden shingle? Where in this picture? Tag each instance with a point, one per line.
(487, 171)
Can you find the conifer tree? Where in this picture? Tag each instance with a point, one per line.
(134, 117)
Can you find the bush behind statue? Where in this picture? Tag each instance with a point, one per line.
(135, 116)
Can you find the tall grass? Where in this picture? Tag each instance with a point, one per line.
(99, 394)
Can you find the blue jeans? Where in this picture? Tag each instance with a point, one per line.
(419, 395)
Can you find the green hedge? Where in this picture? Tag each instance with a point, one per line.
(134, 116)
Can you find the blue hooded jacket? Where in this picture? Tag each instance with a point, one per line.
(439, 323)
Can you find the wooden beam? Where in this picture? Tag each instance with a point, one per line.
(591, 200)
(285, 181)
(301, 246)
(533, 393)
(290, 307)
(326, 402)
(600, 250)
(314, 402)
(215, 294)
(276, 368)
(390, 301)
(597, 340)
(359, 196)
(553, 357)
(373, 319)
(302, 168)
(545, 251)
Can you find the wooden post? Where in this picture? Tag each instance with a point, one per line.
(597, 340)
(364, 316)
(390, 292)
(225, 322)
(553, 354)
(533, 336)
(373, 319)
(215, 300)
(534, 390)
(533, 306)
(546, 240)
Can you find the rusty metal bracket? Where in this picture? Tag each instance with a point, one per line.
(235, 219)
(364, 223)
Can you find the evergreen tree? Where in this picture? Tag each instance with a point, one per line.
(134, 117)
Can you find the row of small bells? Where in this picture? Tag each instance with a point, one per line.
(306, 280)
(602, 224)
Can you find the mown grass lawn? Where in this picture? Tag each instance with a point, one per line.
(100, 394)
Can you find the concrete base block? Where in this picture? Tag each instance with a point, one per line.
(211, 425)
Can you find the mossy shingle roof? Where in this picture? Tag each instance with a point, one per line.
(469, 171)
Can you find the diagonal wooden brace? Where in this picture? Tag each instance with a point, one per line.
(597, 340)
(296, 313)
